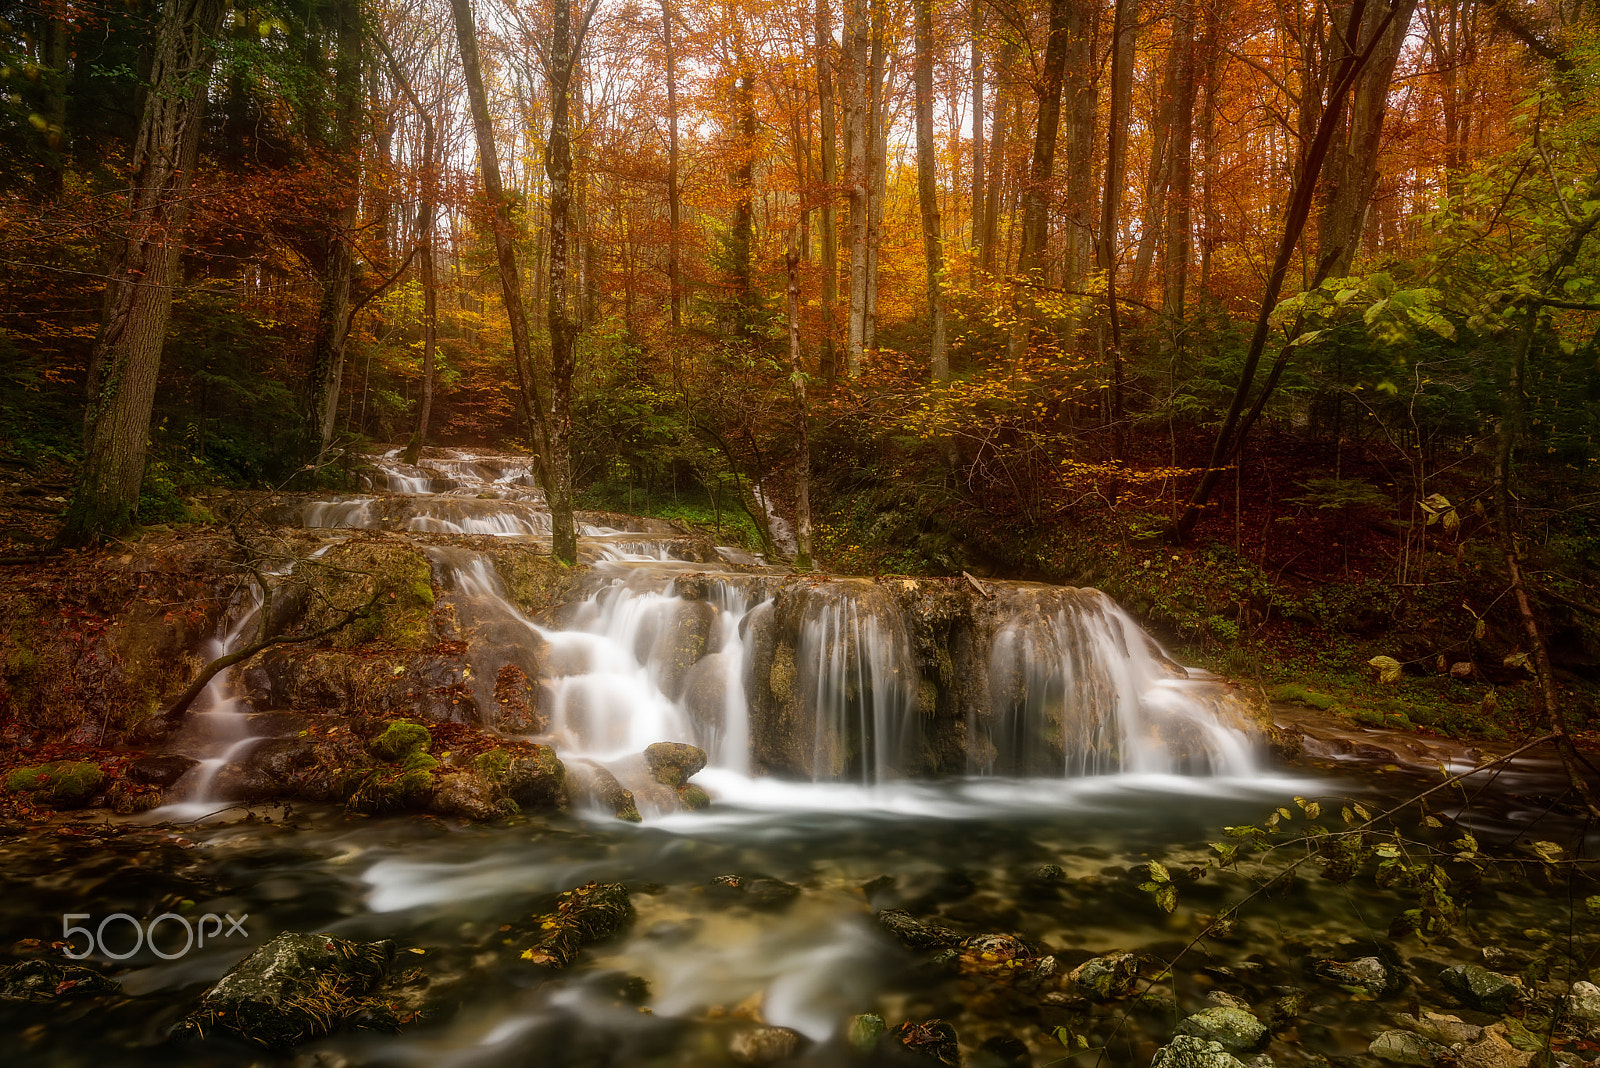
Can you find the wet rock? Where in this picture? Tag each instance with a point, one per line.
(1479, 988)
(1285, 1010)
(130, 798)
(864, 1031)
(691, 798)
(756, 891)
(466, 795)
(583, 915)
(1583, 1003)
(159, 769)
(399, 740)
(536, 780)
(1367, 975)
(764, 1045)
(673, 763)
(1445, 1030)
(1492, 1051)
(60, 784)
(705, 691)
(1236, 1030)
(1044, 875)
(516, 698)
(681, 642)
(592, 785)
(1227, 1000)
(407, 787)
(931, 1040)
(295, 988)
(1403, 1047)
(45, 980)
(1105, 978)
(1187, 1051)
(914, 934)
(1006, 957)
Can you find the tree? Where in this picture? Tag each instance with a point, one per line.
(125, 362)
(928, 194)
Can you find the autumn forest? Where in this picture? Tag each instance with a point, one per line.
(1249, 314)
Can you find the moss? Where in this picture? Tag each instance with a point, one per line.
(382, 793)
(493, 764)
(62, 783)
(692, 798)
(397, 576)
(399, 740)
(418, 760)
(536, 582)
(1372, 717)
(585, 914)
(1295, 693)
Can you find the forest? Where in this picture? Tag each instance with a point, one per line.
(882, 532)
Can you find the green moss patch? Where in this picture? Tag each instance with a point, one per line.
(1294, 693)
(61, 783)
(399, 740)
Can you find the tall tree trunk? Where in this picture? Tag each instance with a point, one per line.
(1352, 169)
(878, 164)
(1234, 425)
(1154, 202)
(743, 236)
(1036, 196)
(1124, 29)
(126, 358)
(797, 376)
(995, 190)
(1180, 171)
(333, 313)
(1083, 32)
(1212, 51)
(830, 177)
(564, 48)
(928, 194)
(427, 216)
(563, 536)
(674, 201)
(976, 65)
(859, 178)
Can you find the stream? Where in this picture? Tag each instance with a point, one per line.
(1086, 755)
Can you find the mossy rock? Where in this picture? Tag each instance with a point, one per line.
(583, 915)
(395, 576)
(60, 783)
(536, 779)
(45, 980)
(387, 791)
(295, 988)
(692, 798)
(400, 739)
(536, 582)
(674, 763)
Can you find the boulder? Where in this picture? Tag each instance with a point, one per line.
(673, 763)
(594, 786)
(162, 769)
(467, 795)
(536, 780)
(45, 980)
(756, 891)
(1236, 1030)
(295, 988)
(1583, 1004)
(1187, 1051)
(1445, 1030)
(1479, 988)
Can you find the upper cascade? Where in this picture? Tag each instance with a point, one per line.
(802, 677)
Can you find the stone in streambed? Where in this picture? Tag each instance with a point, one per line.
(45, 980)
(1187, 1051)
(932, 1041)
(1583, 1004)
(295, 988)
(1236, 1030)
(691, 798)
(864, 1031)
(584, 914)
(1445, 1030)
(1403, 1047)
(673, 763)
(592, 785)
(1367, 975)
(756, 891)
(764, 1045)
(1105, 978)
(1479, 988)
(159, 769)
(1492, 1050)
(914, 934)
(467, 795)
(130, 798)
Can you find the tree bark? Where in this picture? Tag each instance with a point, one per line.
(797, 377)
(1080, 101)
(545, 457)
(878, 167)
(742, 239)
(976, 65)
(830, 233)
(859, 178)
(338, 268)
(1124, 25)
(126, 358)
(1036, 196)
(928, 194)
(996, 163)
(674, 200)
(1180, 171)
